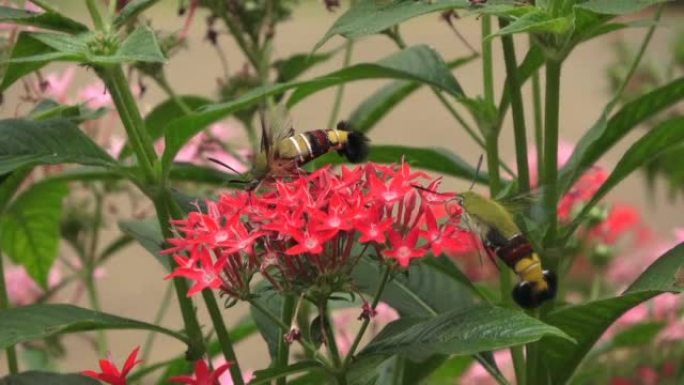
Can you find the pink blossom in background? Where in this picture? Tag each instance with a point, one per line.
(209, 144)
(477, 375)
(565, 150)
(679, 234)
(22, 289)
(345, 322)
(225, 378)
(57, 85)
(95, 95)
(664, 307)
(114, 145)
(621, 220)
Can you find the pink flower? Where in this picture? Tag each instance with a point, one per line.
(477, 375)
(57, 85)
(22, 289)
(95, 95)
(225, 378)
(345, 321)
(565, 150)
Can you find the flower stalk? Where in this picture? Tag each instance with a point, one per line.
(286, 314)
(10, 352)
(551, 124)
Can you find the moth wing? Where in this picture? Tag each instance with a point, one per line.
(471, 225)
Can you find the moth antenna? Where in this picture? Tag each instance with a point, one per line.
(223, 164)
(477, 173)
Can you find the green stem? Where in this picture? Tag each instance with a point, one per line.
(95, 15)
(532, 358)
(223, 336)
(552, 104)
(43, 4)
(90, 263)
(286, 328)
(538, 122)
(487, 61)
(366, 320)
(10, 351)
(399, 41)
(330, 341)
(126, 106)
(286, 314)
(163, 82)
(161, 312)
(517, 110)
(91, 289)
(196, 347)
(236, 31)
(637, 59)
(492, 149)
(349, 48)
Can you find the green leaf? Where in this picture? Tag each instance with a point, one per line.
(10, 183)
(380, 103)
(462, 331)
(417, 63)
(53, 141)
(45, 378)
(434, 159)
(148, 234)
(368, 17)
(267, 375)
(45, 20)
(131, 10)
(292, 67)
(453, 368)
(187, 172)
(79, 113)
(666, 135)
(403, 65)
(139, 46)
(420, 291)
(536, 22)
(617, 7)
(607, 132)
(269, 299)
(587, 322)
(29, 228)
(635, 336)
(28, 323)
(70, 44)
(28, 55)
(164, 113)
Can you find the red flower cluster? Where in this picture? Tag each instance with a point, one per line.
(307, 231)
(110, 373)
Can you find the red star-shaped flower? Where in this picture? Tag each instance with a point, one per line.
(203, 376)
(110, 373)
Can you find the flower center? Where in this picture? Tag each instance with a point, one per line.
(221, 236)
(311, 243)
(403, 252)
(389, 195)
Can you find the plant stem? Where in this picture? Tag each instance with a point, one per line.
(192, 328)
(637, 59)
(551, 115)
(10, 351)
(492, 149)
(161, 312)
(95, 15)
(126, 106)
(223, 336)
(487, 62)
(538, 122)
(330, 341)
(348, 49)
(516, 110)
(286, 314)
(163, 82)
(399, 41)
(366, 321)
(286, 328)
(532, 358)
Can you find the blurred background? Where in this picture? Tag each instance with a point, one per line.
(131, 284)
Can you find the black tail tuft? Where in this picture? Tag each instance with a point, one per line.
(357, 147)
(527, 297)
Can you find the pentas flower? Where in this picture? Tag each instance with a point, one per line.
(310, 230)
(110, 373)
(203, 375)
